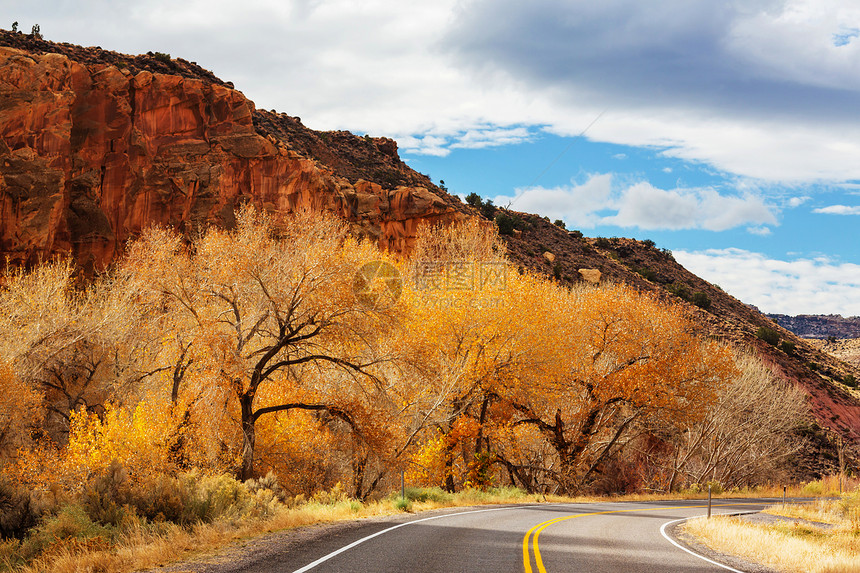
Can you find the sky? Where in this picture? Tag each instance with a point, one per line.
(727, 131)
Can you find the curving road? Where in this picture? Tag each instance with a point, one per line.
(599, 537)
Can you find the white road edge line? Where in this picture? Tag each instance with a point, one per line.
(325, 558)
(693, 553)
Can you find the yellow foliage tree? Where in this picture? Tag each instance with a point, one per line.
(262, 305)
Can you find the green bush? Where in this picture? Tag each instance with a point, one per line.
(107, 496)
(402, 504)
(681, 291)
(850, 381)
(769, 335)
(474, 200)
(701, 300)
(788, 347)
(505, 223)
(70, 526)
(645, 272)
(575, 234)
(162, 57)
(559, 223)
(422, 494)
(488, 210)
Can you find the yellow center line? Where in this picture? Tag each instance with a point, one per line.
(534, 532)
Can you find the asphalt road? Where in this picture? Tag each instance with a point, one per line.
(599, 537)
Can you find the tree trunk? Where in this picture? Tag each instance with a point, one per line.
(246, 402)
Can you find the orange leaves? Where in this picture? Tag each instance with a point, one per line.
(137, 438)
(257, 341)
(19, 410)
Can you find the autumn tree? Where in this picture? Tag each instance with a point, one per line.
(67, 339)
(259, 307)
(744, 437)
(462, 339)
(612, 358)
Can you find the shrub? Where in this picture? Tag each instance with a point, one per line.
(505, 224)
(423, 494)
(813, 488)
(645, 273)
(268, 482)
(850, 381)
(474, 200)
(71, 527)
(649, 243)
(603, 243)
(402, 504)
(488, 210)
(331, 497)
(769, 335)
(681, 291)
(575, 234)
(701, 300)
(162, 57)
(559, 223)
(18, 512)
(106, 497)
(787, 347)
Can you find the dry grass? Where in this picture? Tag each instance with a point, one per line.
(793, 546)
(142, 546)
(146, 546)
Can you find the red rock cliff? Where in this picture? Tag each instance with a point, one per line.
(91, 153)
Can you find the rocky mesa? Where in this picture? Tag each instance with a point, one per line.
(95, 146)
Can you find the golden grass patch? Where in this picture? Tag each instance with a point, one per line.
(791, 546)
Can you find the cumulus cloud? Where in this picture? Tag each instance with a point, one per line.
(761, 88)
(799, 286)
(838, 210)
(492, 137)
(757, 88)
(579, 205)
(600, 201)
(760, 231)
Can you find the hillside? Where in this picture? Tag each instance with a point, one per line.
(820, 326)
(847, 349)
(98, 145)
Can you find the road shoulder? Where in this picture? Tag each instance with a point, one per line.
(675, 531)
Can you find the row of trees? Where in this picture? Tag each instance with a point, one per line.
(275, 346)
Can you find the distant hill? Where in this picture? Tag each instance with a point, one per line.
(820, 326)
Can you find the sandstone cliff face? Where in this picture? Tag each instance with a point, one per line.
(92, 153)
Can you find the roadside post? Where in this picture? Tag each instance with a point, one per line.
(709, 501)
(783, 496)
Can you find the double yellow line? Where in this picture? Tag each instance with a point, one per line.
(533, 534)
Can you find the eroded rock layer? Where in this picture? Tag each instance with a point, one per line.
(92, 153)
